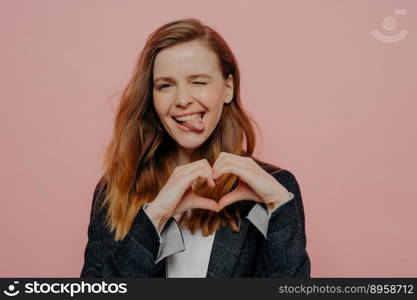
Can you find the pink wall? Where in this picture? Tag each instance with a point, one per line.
(336, 107)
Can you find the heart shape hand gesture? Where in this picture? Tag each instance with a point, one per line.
(254, 184)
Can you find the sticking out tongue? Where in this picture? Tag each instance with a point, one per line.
(194, 124)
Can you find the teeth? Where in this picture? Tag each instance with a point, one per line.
(189, 117)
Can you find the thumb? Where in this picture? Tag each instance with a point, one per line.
(192, 200)
(231, 197)
(205, 203)
(241, 192)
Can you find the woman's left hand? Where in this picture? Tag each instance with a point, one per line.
(254, 182)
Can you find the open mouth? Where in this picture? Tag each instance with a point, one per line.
(200, 117)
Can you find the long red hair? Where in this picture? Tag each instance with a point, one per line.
(140, 157)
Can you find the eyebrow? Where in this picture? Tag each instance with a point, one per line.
(188, 77)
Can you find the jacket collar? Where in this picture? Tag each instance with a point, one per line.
(226, 249)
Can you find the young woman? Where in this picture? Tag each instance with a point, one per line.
(182, 194)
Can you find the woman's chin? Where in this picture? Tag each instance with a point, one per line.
(190, 143)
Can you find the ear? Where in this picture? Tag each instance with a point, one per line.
(229, 89)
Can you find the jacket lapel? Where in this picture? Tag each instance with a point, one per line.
(227, 246)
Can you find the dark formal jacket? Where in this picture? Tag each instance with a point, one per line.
(267, 245)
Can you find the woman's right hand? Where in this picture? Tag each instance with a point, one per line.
(178, 196)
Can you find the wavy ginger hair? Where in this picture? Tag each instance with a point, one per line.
(141, 155)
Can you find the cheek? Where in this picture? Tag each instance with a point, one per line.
(160, 108)
(216, 104)
(212, 97)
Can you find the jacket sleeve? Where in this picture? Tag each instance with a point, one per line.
(171, 239)
(260, 216)
(284, 252)
(134, 256)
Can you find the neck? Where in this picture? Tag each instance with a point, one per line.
(184, 156)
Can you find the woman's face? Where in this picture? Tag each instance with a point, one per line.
(187, 79)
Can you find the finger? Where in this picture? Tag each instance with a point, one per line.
(195, 164)
(205, 203)
(194, 201)
(235, 160)
(229, 198)
(242, 192)
(219, 158)
(189, 173)
(225, 156)
(230, 166)
(210, 169)
(205, 161)
(202, 171)
(209, 182)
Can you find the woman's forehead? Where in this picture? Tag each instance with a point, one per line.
(185, 59)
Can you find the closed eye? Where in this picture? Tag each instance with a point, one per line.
(162, 86)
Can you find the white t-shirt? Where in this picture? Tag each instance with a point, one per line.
(193, 262)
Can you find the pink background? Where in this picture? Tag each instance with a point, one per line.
(336, 107)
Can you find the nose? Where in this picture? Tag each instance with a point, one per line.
(183, 97)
